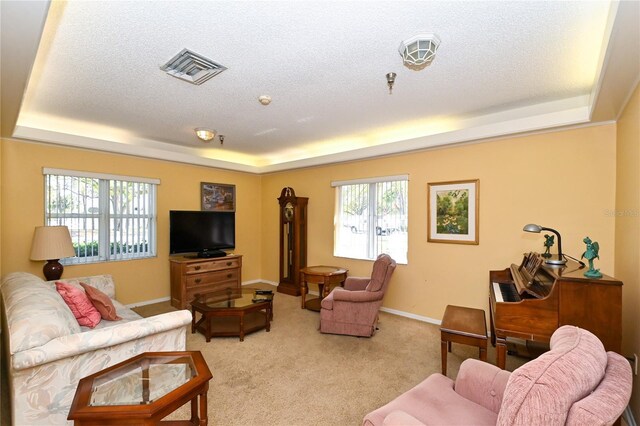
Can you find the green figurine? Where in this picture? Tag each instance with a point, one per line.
(548, 243)
(591, 253)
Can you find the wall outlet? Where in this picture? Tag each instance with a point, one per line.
(635, 364)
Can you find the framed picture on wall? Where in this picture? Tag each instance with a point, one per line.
(452, 212)
(218, 197)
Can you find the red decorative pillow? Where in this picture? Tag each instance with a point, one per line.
(102, 303)
(80, 305)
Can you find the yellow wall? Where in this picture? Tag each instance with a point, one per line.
(136, 280)
(628, 228)
(564, 180)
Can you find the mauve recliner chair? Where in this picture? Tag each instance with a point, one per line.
(353, 310)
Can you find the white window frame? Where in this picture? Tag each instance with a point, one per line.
(373, 246)
(104, 216)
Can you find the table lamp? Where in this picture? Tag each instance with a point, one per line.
(52, 243)
(531, 227)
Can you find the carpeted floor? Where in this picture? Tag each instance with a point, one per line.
(294, 375)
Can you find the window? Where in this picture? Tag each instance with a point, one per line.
(109, 217)
(371, 218)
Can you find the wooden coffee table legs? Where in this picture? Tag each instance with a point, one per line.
(237, 322)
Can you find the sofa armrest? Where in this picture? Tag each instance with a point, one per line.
(482, 383)
(79, 343)
(401, 418)
(356, 283)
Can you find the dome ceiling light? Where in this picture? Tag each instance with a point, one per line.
(264, 99)
(204, 134)
(419, 51)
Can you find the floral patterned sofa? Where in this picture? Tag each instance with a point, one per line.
(47, 352)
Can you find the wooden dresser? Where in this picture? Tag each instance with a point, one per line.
(190, 275)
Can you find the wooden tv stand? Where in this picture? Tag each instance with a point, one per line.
(191, 275)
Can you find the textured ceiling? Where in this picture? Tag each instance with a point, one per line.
(502, 67)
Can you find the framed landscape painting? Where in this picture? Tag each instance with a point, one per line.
(452, 210)
(218, 197)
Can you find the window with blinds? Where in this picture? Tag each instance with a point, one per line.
(109, 217)
(371, 218)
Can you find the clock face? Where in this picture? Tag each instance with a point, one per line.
(288, 212)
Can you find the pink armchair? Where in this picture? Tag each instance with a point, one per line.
(575, 383)
(354, 309)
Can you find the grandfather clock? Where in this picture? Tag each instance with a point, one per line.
(293, 240)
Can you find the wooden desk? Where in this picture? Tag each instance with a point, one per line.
(325, 277)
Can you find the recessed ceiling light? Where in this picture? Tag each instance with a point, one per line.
(264, 99)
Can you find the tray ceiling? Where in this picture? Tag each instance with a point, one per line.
(502, 68)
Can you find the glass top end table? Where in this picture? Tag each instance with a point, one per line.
(146, 388)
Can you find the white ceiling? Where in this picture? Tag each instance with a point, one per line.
(502, 68)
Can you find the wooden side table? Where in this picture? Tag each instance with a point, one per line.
(325, 277)
(143, 390)
(467, 326)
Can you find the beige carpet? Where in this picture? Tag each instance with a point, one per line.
(294, 375)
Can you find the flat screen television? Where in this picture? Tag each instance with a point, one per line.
(202, 232)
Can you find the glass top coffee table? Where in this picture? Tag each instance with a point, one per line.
(232, 312)
(143, 390)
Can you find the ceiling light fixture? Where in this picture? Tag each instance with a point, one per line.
(205, 134)
(419, 51)
(264, 99)
(391, 78)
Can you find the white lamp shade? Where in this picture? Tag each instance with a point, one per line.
(51, 242)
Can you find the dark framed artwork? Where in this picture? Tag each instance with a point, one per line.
(218, 197)
(453, 212)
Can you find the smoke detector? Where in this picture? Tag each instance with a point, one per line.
(192, 67)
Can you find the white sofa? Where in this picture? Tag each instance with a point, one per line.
(47, 352)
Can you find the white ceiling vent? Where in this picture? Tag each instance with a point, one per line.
(191, 67)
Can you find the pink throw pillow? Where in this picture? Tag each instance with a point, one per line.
(80, 305)
(102, 303)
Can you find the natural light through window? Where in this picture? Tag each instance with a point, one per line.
(109, 217)
(371, 218)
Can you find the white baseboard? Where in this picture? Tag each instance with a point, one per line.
(315, 293)
(260, 282)
(410, 315)
(148, 302)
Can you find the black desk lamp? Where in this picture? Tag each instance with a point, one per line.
(537, 228)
